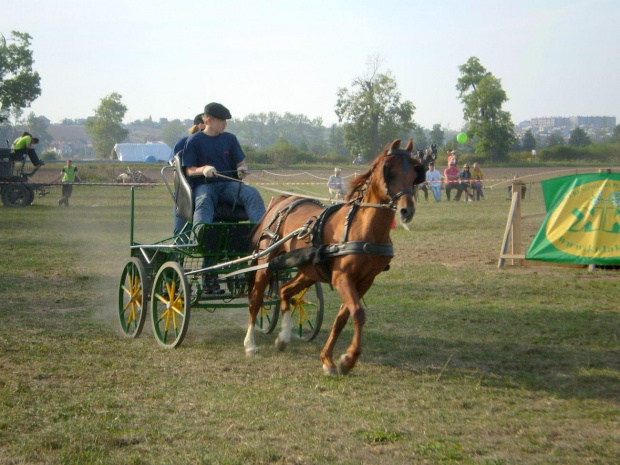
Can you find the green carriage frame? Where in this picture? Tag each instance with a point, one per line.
(166, 278)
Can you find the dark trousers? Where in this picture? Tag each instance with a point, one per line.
(67, 190)
(34, 158)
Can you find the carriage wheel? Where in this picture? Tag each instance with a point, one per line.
(31, 196)
(15, 195)
(307, 312)
(170, 305)
(267, 317)
(132, 298)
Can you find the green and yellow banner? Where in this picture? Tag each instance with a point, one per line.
(582, 225)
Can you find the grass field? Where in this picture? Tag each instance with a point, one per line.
(463, 363)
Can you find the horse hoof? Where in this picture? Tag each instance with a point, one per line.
(280, 344)
(251, 352)
(329, 371)
(343, 368)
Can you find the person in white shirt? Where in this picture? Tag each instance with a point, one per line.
(336, 185)
(433, 180)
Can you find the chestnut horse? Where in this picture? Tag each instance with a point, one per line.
(346, 245)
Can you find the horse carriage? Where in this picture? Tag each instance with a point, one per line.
(297, 245)
(15, 189)
(204, 267)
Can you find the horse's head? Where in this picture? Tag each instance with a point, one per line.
(401, 171)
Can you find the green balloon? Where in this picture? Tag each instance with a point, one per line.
(461, 138)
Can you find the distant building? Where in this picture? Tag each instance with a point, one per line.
(546, 125)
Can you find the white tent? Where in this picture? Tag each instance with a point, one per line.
(160, 151)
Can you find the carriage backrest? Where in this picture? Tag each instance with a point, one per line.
(183, 198)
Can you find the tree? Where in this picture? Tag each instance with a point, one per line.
(616, 134)
(172, 131)
(579, 138)
(482, 96)
(437, 135)
(105, 127)
(528, 143)
(19, 84)
(372, 112)
(419, 138)
(37, 127)
(554, 140)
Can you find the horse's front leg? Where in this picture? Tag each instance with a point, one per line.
(327, 354)
(351, 295)
(349, 359)
(261, 281)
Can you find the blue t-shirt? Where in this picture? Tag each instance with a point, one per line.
(179, 146)
(222, 152)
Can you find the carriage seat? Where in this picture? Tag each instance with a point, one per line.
(184, 200)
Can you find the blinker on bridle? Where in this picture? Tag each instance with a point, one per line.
(405, 154)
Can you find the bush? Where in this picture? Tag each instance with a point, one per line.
(603, 153)
(49, 155)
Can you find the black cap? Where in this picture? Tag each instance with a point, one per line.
(198, 119)
(217, 110)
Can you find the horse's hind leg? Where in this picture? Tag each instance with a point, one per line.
(261, 281)
(297, 284)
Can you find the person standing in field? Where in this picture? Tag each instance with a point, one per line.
(69, 175)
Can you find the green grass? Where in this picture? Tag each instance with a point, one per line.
(463, 363)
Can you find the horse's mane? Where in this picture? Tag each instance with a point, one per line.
(359, 183)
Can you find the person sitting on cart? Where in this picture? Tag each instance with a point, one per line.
(179, 223)
(23, 145)
(211, 152)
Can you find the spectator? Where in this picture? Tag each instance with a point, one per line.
(433, 180)
(477, 176)
(451, 177)
(23, 145)
(69, 174)
(336, 185)
(452, 157)
(465, 181)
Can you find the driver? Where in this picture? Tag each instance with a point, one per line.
(210, 152)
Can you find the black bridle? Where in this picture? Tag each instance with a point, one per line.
(406, 155)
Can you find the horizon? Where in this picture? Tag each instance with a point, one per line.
(554, 58)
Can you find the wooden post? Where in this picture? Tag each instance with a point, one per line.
(512, 233)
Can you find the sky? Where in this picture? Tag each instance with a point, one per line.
(168, 59)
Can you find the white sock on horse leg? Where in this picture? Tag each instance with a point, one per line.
(250, 345)
(287, 327)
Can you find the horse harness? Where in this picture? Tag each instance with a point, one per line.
(318, 253)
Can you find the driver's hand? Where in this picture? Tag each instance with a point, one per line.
(209, 171)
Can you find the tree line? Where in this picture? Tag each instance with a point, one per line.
(371, 112)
